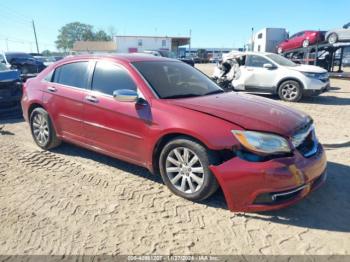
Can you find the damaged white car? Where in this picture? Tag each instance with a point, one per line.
(270, 73)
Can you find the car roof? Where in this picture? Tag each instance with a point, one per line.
(16, 53)
(128, 58)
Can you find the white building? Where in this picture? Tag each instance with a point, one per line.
(134, 44)
(267, 39)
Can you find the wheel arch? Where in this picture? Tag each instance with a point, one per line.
(162, 141)
(35, 105)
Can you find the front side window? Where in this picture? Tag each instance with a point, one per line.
(176, 79)
(256, 61)
(280, 60)
(163, 43)
(109, 78)
(73, 74)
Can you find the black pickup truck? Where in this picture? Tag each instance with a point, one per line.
(10, 91)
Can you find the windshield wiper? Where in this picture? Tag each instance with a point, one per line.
(181, 96)
(219, 91)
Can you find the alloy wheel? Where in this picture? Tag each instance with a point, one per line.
(289, 91)
(40, 129)
(184, 170)
(306, 43)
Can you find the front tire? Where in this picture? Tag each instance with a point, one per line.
(42, 129)
(290, 91)
(184, 167)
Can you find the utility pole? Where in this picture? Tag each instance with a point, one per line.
(252, 43)
(36, 39)
(189, 45)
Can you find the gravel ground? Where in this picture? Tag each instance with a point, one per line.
(72, 201)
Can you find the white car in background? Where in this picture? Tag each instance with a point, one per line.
(271, 73)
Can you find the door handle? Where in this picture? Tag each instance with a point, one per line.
(52, 89)
(92, 99)
(250, 69)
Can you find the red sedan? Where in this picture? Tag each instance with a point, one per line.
(301, 39)
(170, 118)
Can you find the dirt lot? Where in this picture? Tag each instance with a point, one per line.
(72, 201)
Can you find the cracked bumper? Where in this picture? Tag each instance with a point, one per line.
(244, 182)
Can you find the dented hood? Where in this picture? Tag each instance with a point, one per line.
(248, 111)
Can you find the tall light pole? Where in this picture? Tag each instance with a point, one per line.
(36, 39)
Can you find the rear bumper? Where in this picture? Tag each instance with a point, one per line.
(274, 184)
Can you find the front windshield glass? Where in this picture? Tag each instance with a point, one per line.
(167, 54)
(176, 79)
(281, 60)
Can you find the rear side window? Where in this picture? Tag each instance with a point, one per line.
(109, 77)
(73, 74)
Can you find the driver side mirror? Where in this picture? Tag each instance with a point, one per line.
(269, 66)
(125, 95)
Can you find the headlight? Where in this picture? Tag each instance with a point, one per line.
(299, 137)
(320, 76)
(262, 142)
(311, 75)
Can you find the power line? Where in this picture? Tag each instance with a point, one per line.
(13, 12)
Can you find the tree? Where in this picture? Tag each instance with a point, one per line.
(46, 53)
(101, 36)
(76, 31)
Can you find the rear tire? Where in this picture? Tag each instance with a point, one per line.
(183, 174)
(43, 132)
(290, 91)
(332, 38)
(306, 43)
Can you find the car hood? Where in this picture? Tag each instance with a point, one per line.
(308, 68)
(248, 111)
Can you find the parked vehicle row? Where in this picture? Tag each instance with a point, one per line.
(168, 54)
(311, 37)
(170, 118)
(23, 62)
(10, 89)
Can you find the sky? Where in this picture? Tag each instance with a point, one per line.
(214, 23)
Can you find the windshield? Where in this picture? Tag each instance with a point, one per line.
(41, 59)
(167, 54)
(281, 60)
(176, 79)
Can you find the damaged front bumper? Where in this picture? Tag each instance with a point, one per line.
(273, 184)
